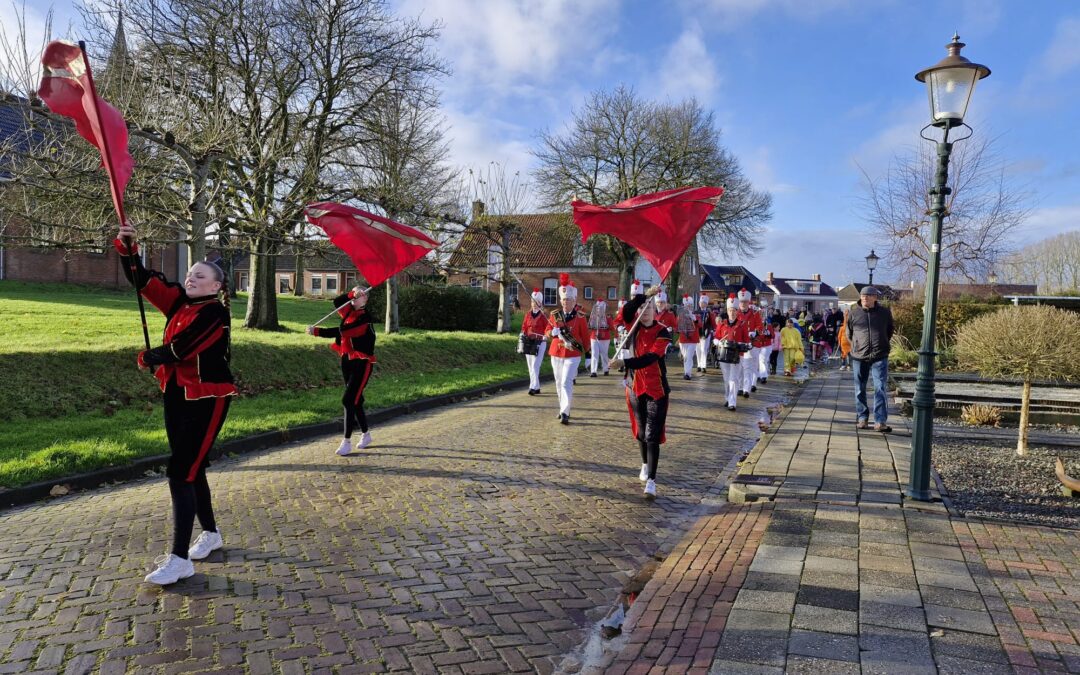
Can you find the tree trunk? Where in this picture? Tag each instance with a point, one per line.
(674, 278)
(262, 302)
(1025, 406)
(298, 287)
(503, 324)
(392, 323)
(626, 277)
(196, 239)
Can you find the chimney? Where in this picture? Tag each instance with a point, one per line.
(477, 209)
(769, 279)
(816, 277)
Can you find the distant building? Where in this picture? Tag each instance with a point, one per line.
(849, 293)
(984, 291)
(543, 246)
(328, 273)
(719, 281)
(812, 295)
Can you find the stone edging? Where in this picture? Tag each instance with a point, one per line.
(138, 468)
(740, 493)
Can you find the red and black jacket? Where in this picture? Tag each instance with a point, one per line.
(648, 344)
(355, 337)
(196, 348)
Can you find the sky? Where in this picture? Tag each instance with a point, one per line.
(808, 93)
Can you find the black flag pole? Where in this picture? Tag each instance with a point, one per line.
(116, 195)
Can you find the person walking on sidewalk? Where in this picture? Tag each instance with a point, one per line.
(869, 330)
(791, 343)
(354, 342)
(533, 327)
(843, 345)
(192, 367)
(647, 393)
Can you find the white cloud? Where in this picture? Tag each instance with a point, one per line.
(899, 134)
(476, 140)
(758, 167)
(730, 13)
(1062, 55)
(1050, 221)
(688, 69)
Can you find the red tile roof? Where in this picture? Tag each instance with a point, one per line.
(542, 240)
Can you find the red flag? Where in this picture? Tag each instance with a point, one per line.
(660, 226)
(379, 247)
(67, 87)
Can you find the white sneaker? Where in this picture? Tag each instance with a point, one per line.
(207, 543)
(345, 447)
(171, 568)
(650, 489)
(365, 441)
(644, 475)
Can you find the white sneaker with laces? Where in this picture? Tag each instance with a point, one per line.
(207, 543)
(345, 447)
(365, 441)
(644, 475)
(650, 489)
(170, 569)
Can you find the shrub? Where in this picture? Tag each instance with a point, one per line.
(981, 415)
(952, 315)
(439, 307)
(1029, 343)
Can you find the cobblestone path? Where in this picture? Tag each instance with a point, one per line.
(482, 537)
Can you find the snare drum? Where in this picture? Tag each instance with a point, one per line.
(529, 345)
(728, 352)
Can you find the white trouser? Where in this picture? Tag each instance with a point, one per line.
(600, 349)
(565, 372)
(732, 376)
(534, 362)
(749, 369)
(763, 361)
(702, 352)
(689, 351)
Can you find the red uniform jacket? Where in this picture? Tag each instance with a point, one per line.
(535, 324)
(195, 347)
(668, 319)
(765, 334)
(751, 318)
(575, 325)
(604, 332)
(733, 332)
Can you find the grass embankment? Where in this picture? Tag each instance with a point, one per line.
(72, 400)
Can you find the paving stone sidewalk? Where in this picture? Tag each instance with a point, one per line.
(481, 537)
(832, 570)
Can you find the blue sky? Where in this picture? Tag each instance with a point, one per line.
(805, 91)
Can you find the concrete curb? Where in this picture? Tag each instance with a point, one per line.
(138, 469)
(743, 493)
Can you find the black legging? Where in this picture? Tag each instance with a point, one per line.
(190, 500)
(356, 373)
(773, 358)
(651, 414)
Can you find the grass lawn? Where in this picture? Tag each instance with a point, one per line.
(72, 399)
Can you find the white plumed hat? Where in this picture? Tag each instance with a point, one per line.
(537, 296)
(567, 291)
(662, 295)
(731, 303)
(687, 301)
(744, 296)
(703, 299)
(637, 288)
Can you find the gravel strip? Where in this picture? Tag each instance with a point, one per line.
(992, 481)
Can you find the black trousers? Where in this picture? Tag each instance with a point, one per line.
(191, 427)
(356, 373)
(651, 416)
(773, 358)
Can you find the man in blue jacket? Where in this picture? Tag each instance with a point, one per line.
(869, 330)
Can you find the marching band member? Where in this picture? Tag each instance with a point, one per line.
(354, 341)
(533, 327)
(763, 344)
(689, 336)
(568, 329)
(600, 327)
(704, 319)
(750, 318)
(193, 372)
(664, 315)
(647, 395)
(730, 338)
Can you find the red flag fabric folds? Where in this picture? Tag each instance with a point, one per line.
(379, 247)
(660, 226)
(67, 88)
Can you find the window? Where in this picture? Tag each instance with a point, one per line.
(284, 284)
(316, 285)
(474, 282)
(588, 292)
(551, 291)
(693, 266)
(331, 283)
(513, 289)
(242, 284)
(733, 279)
(611, 294)
(350, 279)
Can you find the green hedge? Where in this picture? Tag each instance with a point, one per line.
(440, 307)
(908, 317)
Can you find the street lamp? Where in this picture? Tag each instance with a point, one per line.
(949, 84)
(992, 278)
(871, 264)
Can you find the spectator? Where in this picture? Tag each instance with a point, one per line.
(869, 329)
(844, 345)
(817, 338)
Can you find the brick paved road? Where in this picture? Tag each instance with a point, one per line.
(484, 537)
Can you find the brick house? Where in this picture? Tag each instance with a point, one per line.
(325, 273)
(720, 281)
(543, 246)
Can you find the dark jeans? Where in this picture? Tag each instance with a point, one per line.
(880, 371)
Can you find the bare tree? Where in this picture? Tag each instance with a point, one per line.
(620, 146)
(1053, 264)
(984, 210)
